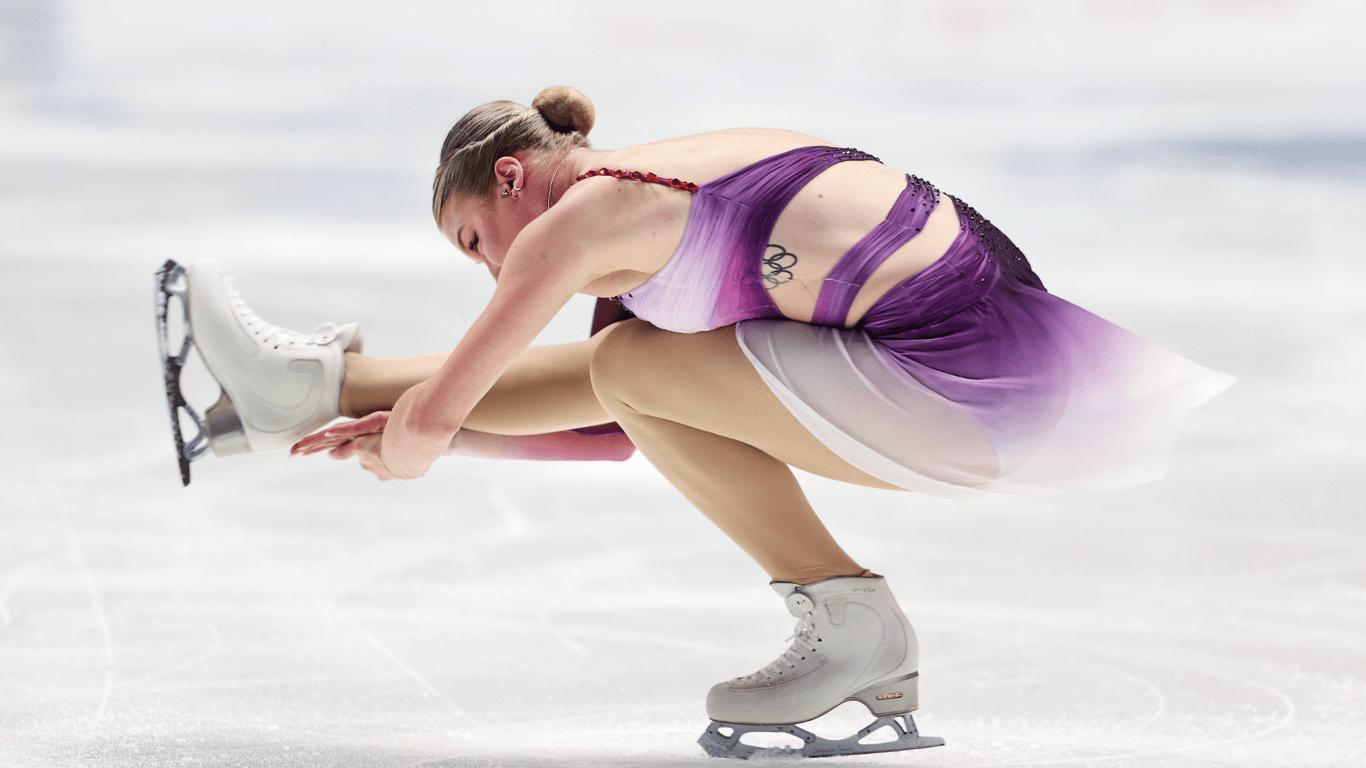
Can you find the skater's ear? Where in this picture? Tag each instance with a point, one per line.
(508, 169)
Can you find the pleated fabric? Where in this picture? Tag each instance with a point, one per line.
(969, 380)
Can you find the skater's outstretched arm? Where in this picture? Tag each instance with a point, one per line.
(551, 259)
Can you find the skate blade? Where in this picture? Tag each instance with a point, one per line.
(171, 284)
(723, 740)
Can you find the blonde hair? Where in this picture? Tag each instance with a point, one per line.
(560, 117)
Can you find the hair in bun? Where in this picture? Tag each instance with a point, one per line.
(565, 109)
(561, 118)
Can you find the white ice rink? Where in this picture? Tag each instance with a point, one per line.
(1193, 170)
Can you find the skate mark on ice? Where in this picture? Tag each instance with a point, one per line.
(1068, 746)
(388, 653)
(1153, 689)
(215, 646)
(334, 611)
(1127, 753)
(567, 587)
(97, 603)
(518, 527)
(1285, 700)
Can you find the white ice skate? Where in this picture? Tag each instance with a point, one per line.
(277, 385)
(852, 643)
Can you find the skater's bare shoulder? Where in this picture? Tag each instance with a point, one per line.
(620, 232)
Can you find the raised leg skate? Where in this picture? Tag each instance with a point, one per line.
(852, 643)
(171, 285)
(276, 384)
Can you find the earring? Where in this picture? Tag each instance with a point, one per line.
(515, 193)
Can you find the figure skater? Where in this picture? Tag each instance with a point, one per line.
(796, 304)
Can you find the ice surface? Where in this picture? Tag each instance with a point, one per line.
(1192, 170)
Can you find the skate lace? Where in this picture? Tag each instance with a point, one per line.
(273, 335)
(804, 642)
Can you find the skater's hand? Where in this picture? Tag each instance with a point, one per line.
(366, 448)
(338, 435)
(360, 438)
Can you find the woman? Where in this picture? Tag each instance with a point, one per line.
(803, 306)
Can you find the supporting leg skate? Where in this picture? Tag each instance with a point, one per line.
(724, 740)
(851, 643)
(171, 283)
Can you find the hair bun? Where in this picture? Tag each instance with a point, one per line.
(565, 109)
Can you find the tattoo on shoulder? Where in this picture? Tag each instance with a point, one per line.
(778, 264)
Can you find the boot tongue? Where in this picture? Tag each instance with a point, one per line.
(798, 604)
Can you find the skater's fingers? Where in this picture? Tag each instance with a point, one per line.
(366, 425)
(314, 444)
(318, 441)
(324, 443)
(344, 451)
(333, 436)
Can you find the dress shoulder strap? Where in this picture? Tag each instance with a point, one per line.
(687, 186)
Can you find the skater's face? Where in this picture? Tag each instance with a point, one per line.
(471, 227)
(484, 229)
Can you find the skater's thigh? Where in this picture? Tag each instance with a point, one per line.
(705, 381)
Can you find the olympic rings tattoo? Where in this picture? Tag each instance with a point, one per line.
(778, 266)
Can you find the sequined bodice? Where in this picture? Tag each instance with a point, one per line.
(714, 277)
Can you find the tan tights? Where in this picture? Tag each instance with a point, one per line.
(693, 405)
(546, 390)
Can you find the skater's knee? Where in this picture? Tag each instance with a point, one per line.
(617, 362)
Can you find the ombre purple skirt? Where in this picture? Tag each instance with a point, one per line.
(969, 380)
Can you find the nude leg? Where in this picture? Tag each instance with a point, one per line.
(372, 384)
(546, 390)
(694, 405)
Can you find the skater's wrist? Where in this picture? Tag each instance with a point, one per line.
(430, 425)
(429, 419)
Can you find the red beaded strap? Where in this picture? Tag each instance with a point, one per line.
(638, 176)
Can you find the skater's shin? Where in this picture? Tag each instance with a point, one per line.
(695, 408)
(372, 384)
(546, 390)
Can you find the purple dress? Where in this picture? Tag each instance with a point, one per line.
(966, 380)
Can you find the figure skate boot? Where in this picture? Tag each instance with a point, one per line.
(277, 384)
(852, 643)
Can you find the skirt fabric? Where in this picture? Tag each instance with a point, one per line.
(969, 380)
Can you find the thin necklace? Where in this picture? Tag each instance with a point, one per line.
(551, 190)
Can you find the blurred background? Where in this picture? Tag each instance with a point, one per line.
(1194, 170)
